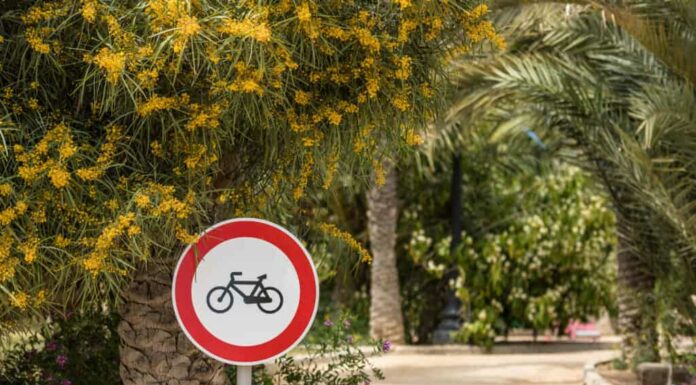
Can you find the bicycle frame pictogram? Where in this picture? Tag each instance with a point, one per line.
(268, 299)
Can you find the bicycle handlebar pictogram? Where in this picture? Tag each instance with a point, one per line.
(268, 299)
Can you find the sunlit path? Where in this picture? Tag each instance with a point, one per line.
(498, 369)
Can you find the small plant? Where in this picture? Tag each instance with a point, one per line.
(619, 364)
(479, 332)
(334, 359)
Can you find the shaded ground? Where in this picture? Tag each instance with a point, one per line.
(560, 368)
(618, 377)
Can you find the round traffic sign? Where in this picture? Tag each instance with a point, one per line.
(246, 292)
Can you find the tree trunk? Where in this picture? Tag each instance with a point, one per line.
(154, 349)
(637, 313)
(386, 320)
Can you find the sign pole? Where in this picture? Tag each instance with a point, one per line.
(243, 375)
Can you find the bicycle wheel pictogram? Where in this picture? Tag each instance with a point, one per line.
(275, 303)
(220, 299)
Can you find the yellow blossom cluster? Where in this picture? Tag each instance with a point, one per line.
(45, 12)
(184, 236)
(403, 4)
(303, 11)
(96, 261)
(7, 262)
(61, 241)
(23, 301)
(403, 70)
(378, 171)
(30, 249)
(248, 80)
(156, 148)
(248, 27)
(33, 104)
(59, 176)
(413, 138)
(304, 14)
(204, 116)
(402, 100)
(160, 200)
(112, 62)
(302, 97)
(188, 26)
(20, 300)
(478, 28)
(157, 103)
(331, 168)
(38, 161)
(307, 169)
(198, 157)
(332, 231)
(11, 213)
(89, 10)
(165, 13)
(5, 189)
(363, 140)
(106, 153)
(436, 25)
(35, 37)
(148, 77)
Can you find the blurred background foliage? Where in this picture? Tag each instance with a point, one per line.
(538, 246)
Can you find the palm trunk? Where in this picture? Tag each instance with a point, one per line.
(386, 320)
(637, 313)
(154, 349)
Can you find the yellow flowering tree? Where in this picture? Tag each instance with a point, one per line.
(129, 126)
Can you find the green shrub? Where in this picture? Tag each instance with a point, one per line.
(334, 359)
(77, 350)
(83, 350)
(537, 250)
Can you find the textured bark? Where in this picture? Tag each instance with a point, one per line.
(386, 320)
(637, 313)
(154, 350)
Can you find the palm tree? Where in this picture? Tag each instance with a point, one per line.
(386, 319)
(617, 86)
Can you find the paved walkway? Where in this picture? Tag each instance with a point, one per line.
(562, 368)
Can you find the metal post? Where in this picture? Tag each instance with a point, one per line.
(450, 318)
(244, 375)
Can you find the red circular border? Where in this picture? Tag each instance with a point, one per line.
(185, 273)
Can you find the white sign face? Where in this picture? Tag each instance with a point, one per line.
(246, 292)
(245, 313)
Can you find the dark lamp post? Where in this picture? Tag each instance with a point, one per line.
(450, 317)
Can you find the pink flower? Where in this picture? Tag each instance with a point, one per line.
(386, 346)
(51, 346)
(61, 360)
(328, 323)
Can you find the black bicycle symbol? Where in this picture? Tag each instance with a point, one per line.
(268, 299)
